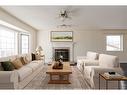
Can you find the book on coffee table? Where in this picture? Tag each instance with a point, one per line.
(115, 75)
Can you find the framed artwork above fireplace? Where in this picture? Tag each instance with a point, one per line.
(61, 36)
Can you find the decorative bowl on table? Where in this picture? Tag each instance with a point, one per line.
(57, 65)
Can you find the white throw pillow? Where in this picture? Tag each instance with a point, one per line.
(108, 60)
(92, 55)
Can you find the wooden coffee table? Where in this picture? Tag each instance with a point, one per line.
(62, 74)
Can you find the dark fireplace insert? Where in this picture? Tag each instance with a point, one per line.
(61, 53)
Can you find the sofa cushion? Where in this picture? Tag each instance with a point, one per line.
(37, 61)
(108, 61)
(7, 66)
(92, 55)
(89, 62)
(17, 63)
(24, 72)
(33, 66)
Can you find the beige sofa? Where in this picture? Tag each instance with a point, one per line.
(106, 63)
(19, 78)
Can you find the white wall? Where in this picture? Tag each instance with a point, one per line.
(43, 39)
(93, 40)
(5, 16)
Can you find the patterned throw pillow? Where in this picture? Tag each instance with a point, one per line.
(22, 60)
(17, 63)
(7, 66)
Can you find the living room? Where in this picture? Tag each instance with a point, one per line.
(25, 29)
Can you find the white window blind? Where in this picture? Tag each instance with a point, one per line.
(8, 42)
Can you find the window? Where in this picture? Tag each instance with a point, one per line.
(8, 42)
(114, 42)
(24, 43)
(13, 40)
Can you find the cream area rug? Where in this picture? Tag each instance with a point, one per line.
(77, 80)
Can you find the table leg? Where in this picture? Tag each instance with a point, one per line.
(67, 77)
(106, 84)
(60, 80)
(61, 77)
(50, 77)
(118, 84)
(99, 81)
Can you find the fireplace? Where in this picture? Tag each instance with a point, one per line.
(66, 49)
(63, 53)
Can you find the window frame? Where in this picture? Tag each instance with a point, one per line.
(121, 42)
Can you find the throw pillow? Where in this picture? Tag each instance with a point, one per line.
(38, 57)
(7, 66)
(28, 57)
(25, 60)
(17, 63)
(33, 57)
(22, 60)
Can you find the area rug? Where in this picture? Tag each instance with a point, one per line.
(78, 81)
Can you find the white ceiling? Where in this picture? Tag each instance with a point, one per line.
(83, 17)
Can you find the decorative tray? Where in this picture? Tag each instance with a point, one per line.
(58, 66)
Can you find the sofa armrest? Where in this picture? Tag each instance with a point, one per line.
(89, 62)
(97, 71)
(8, 77)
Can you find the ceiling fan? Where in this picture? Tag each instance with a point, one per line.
(64, 14)
(68, 12)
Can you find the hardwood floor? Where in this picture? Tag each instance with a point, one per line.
(76, 79)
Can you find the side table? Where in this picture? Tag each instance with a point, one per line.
(107, 79)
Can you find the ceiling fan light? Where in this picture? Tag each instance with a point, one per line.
(63, 26)
(62, 18)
